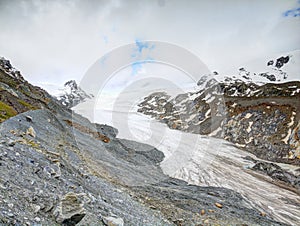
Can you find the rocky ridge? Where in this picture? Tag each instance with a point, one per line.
(261, 118)
(60, 169)
(18, 95)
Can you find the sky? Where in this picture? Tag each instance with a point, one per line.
(53, 41)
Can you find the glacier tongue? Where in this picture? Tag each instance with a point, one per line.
(206, 161)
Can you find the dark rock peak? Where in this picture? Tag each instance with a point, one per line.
(271, 62)
(202, 80)
(73, 94)
(281, 61)
(268, 76)
(275, 73)
(72, 84)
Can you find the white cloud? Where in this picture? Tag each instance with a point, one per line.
(53, 41)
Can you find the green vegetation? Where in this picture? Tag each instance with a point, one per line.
(8, 80)
(6, 111)
(27, 105)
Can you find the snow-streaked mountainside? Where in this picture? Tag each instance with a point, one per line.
(258, 111)
(265, 118)
(71, 95)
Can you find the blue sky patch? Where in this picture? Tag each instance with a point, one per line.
(292, 13)
(136, 67)
(295, 12)
(140, 46)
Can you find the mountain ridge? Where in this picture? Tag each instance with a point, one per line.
(262, 118)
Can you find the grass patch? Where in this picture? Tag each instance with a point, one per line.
(6, 111)
(27, 105)
(9, 80)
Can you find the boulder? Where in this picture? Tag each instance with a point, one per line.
(113, 221)
(70, 210)
(31, 132)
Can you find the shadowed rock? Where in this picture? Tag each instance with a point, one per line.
(70, 210)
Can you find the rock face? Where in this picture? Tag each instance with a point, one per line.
(262, 119)
(281, 61)
(67, 174)
(277, 173)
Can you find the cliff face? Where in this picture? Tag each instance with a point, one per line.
(59, 168)
(262, 119)
(266, 123)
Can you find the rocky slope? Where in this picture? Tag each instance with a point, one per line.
(17, 95)
(57, 168)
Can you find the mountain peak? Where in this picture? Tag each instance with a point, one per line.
(275, 68)
(72, 94)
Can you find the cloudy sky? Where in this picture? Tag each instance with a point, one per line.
(54, 41)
